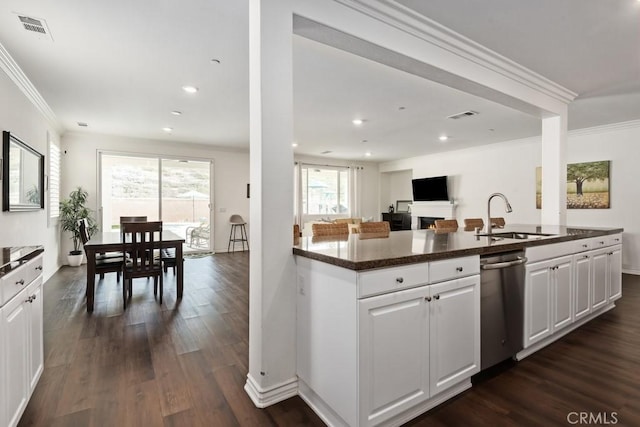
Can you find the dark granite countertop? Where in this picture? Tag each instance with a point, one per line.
(13, 257)
(362, 252)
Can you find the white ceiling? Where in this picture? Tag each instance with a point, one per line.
(119, 66)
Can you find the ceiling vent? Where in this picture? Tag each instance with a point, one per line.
(36, 26)
(462, 115)
(327, 152)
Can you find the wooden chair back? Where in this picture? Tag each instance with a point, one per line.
(330, 229)
(498, 222)
(470, 224)
(446, 224)
(83, 224)
(132, 219)
(375, 227)
(141, 241)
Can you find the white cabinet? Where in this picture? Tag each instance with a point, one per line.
(615, 272)
(394, 353)
(414, 344)
(21, 342)
(582, 289)
(454, 332)
(599, 279)
(382, 346)
(548, 298)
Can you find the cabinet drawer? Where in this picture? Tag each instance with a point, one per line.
(18, 279)
(377, 282)
(614, 239)
(583, 245)
(453, 268)
(600, 242)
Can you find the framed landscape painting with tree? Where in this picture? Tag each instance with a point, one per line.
(587, 185)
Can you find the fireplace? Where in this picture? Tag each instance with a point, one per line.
(427, 221)
(431, 211)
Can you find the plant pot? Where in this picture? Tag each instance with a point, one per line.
(74, 259)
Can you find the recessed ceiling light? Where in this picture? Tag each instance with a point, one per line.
(357, 122)
(368, 154)
(443, 138)
(294, 145)
(83, 124)
(365, 140)
(176, 113)
(167, 129)
(190, 89)
(401, 108)
(215, 60)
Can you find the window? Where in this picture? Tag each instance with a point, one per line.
(325, 190)
(54, 180)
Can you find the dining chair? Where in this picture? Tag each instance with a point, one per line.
(142, 218)
(470, 224)
(375, 227)
(330, 229)
(498, 222)
(109, 262)
(141, 240)
(446, 224)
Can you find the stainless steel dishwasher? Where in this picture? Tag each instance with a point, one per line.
(501, 306)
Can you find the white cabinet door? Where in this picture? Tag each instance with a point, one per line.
(15, 318)
(537, 308)
(582, 294)
(454, 332)
(615, 273)
(599, 279)
(36, 353)
(562, 292)
(393, 353)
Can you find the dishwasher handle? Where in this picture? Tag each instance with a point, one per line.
(497, 265)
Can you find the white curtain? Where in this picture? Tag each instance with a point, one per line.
(297, 195)
(355, 190)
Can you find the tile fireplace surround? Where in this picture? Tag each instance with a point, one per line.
(431, 209)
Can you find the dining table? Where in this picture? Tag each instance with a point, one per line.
(111, 241)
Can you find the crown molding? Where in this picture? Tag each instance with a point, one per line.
(409, 21)
(15, 73)
(605, 128)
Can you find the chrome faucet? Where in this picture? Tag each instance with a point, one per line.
(507, 209)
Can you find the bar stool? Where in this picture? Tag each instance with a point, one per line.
(237, 222)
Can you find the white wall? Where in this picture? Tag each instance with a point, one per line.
(509, 168)
(19, 116)
(395, 186)
(231, 172)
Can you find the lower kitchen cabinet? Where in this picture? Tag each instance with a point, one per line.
(415, 344)
(548, 298)
(615, 273)
(21, 348)
(582, 291)
(369, 356)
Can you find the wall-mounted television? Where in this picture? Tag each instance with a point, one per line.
(430, 189)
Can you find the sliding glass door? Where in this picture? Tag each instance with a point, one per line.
(175, 191)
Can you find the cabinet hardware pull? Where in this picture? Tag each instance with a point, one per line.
(427, 299)
(39, 268)
(459, 269)
(29, 300)
(584, 246)
(399, 279)
(436, 296)
(20, 282)
(601, 243)
(617, 240)
(610, 253)
(585, 256)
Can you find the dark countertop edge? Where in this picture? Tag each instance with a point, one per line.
(37, 250)
(485, 250)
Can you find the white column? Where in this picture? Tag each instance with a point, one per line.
(272, 287)
(554, 170)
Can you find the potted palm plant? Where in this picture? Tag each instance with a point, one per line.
(72, 210)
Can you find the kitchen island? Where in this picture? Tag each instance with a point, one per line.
(389, 326)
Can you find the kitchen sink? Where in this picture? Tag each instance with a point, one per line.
(518, 235)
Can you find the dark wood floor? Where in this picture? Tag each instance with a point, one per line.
(185, 364)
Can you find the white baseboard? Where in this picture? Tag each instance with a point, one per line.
(263, 397)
